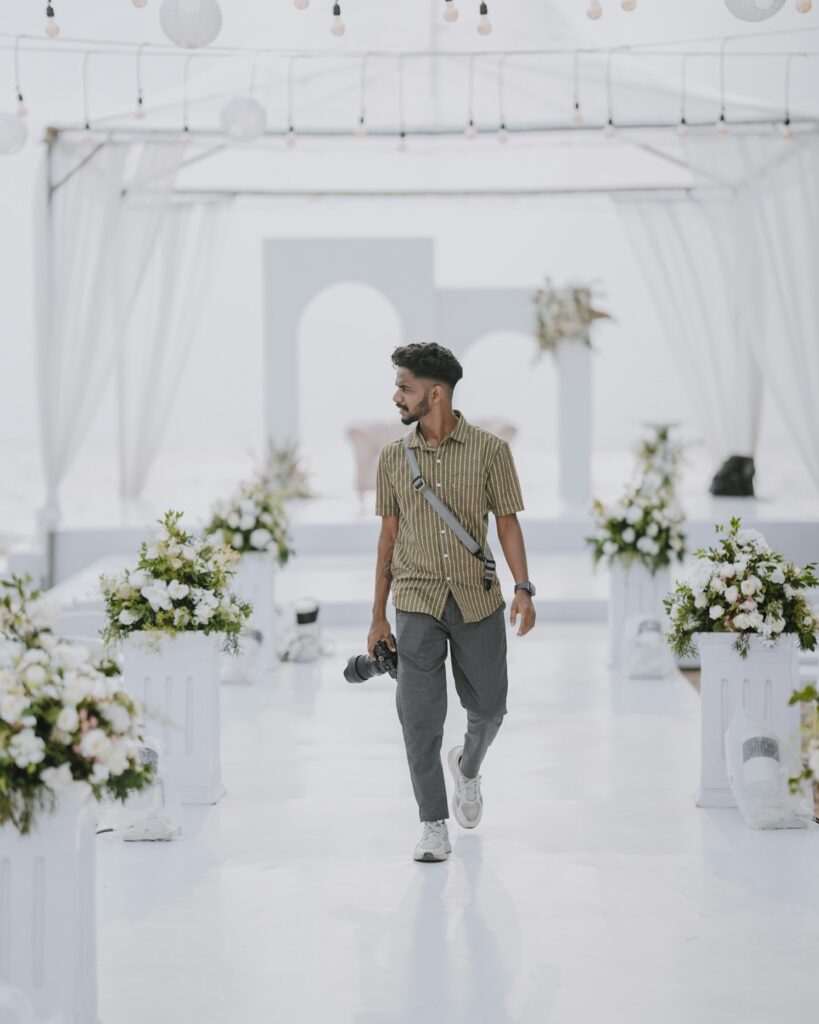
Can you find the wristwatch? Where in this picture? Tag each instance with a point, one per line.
(526, 585)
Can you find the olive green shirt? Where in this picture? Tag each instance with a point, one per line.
(473, 472)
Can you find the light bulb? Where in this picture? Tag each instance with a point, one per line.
(610, 131)
(290, 139)
(186, 136)
(52, 28)
(503, 134)
(721, 127)
(628, 5)
(338, 28)
(88, 137)
(451, 12)
(803, 6)
(577, 116)
(595, 11)
(301, 5)
(22, 109)
(402, 143)
(682, 129)
(361, 128)
(140, 3)
(786, 128)
(484, 24)
(470, 132)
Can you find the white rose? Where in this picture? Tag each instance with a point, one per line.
(12, 707)
(731, 594)
(238, 540)
(755, 620)
(178, 590)
(777, 625)
(95, 744)
(127, 617)
(156, 594)
(99, 774)
(751, 585)
(727, 570)
(700, 601)
(233, 520)
(716, 611)
(790, 591)
(652, 529)
(741, 621)
(139, 578)
(57, 778)
(610, 548)
(41, 612)
(752, 538)
(261, 538)
(68, 720)
(717, 585)
(247, 522)
(152, 552)
(26, 748)
(777, 576)
(634, 514)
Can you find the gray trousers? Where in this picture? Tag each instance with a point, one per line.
(478, 651)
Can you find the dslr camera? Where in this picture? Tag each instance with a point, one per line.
(361, 666)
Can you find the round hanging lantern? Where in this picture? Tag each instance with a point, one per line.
(754, 10)
(243, 119)
(190, 23)
(13, 134)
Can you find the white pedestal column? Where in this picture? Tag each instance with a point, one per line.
(47, 911)
(178, 682)
(762, 683)
(574, 402)
(255, 582)
(633, 591)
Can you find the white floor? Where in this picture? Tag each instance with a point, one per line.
(592, 891)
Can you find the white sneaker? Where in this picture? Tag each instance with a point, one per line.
(434, 843)
(467, 802)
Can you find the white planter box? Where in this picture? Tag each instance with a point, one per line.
(574, 401)
(633, 591)
(47, 911)
(762, 683)
(178, 682)
(255, 582)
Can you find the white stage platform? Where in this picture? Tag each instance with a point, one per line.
(593, 889)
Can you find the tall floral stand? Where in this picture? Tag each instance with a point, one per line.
(48, 920)
(255, 582)
(574, 370)
(762, 684)
(176, 677)
(633, 590)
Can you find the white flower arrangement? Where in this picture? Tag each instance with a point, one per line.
(646, 525)
(282, 474)
(63, 718)
(741, 586)
(565, 314)
(253, 520)
(179, 584)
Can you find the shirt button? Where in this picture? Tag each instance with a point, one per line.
(446, 555)
(443, 531)
(438, 461)
(438, 484)
(449, 579)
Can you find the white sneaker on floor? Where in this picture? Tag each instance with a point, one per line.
(434, 844)
(467, 802)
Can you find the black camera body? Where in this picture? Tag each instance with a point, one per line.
(362, 667)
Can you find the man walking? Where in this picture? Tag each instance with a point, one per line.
(434, 491)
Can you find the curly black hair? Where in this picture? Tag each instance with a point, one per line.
(429, 361)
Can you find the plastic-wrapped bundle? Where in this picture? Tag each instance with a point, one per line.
(645, 652)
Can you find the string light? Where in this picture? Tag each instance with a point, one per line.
(594, 11)
(609, 131)
(451, 12)
(803, 6)
(301, 5)
(338, 28)
(484, 24)
(140, 3)
(628, 5)
(22, 109)
(52, 29)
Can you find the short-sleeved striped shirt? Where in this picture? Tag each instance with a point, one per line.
(473, 472)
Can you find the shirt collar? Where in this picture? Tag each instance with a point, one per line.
(458, 434)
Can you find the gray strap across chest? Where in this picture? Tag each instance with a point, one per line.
(446, 514)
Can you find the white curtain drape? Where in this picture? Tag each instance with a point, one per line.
(78, 200)
(686, 249)
(159, 335)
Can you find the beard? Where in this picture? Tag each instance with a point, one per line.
(412, 417)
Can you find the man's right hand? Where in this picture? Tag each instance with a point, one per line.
(379, 630)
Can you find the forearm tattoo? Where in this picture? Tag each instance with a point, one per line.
(386, 572)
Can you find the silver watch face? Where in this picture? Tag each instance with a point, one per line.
(530, 587)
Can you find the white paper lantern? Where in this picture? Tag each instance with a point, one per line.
(754, 10)
(190, 23)
(13, 134)
(243, 119)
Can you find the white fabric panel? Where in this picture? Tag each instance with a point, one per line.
(75, 240)
(160, 333)
(686, 250)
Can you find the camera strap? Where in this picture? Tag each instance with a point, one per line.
(447, 515)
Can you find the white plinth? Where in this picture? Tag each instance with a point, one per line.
(47, 912)
(762, 683)
(574, 402)
(633, 591)
(255, 582)
(179, 685)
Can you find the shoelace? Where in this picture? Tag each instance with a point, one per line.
(471, 787)
(433, 830)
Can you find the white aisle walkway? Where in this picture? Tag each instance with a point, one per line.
(593, 890)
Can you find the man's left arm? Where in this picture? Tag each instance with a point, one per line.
(510, 536)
